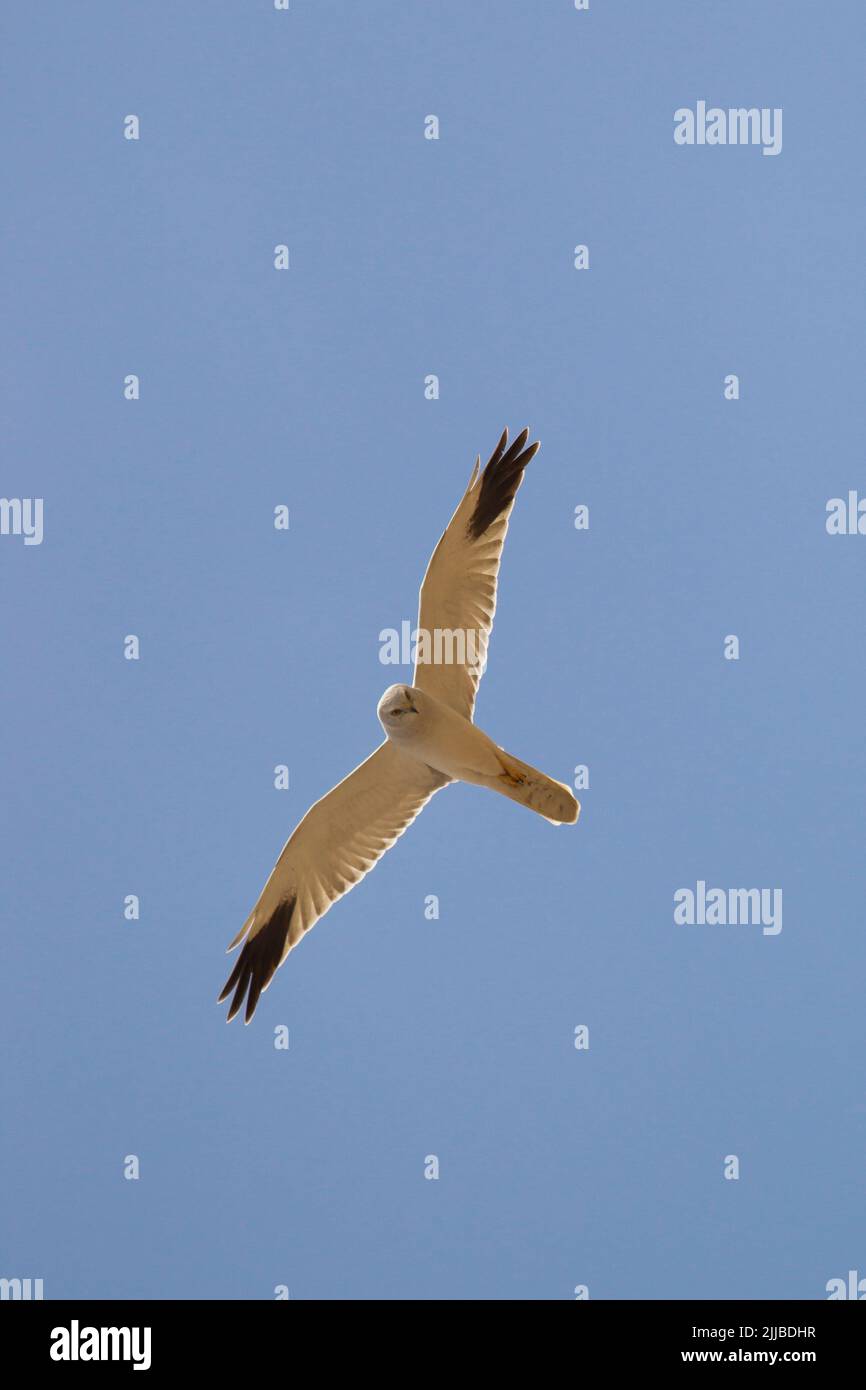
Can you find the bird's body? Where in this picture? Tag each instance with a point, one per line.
(436, 735)
(433, 733)
(431, 740)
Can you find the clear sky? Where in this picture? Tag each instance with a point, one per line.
(410, 257)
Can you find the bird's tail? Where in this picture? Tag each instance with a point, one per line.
(532, 788)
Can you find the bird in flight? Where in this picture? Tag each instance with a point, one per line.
(430, 739)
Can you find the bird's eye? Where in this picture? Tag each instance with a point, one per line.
(397, 711)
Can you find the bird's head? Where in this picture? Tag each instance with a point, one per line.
(398, 708)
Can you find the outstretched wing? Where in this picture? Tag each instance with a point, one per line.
(458, 595)
(339, 840)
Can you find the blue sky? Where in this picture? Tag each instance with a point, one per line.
(411, 257)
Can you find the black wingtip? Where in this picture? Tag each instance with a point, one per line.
(258, 962)
(502, 476)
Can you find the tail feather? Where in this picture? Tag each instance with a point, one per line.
(550, 799)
